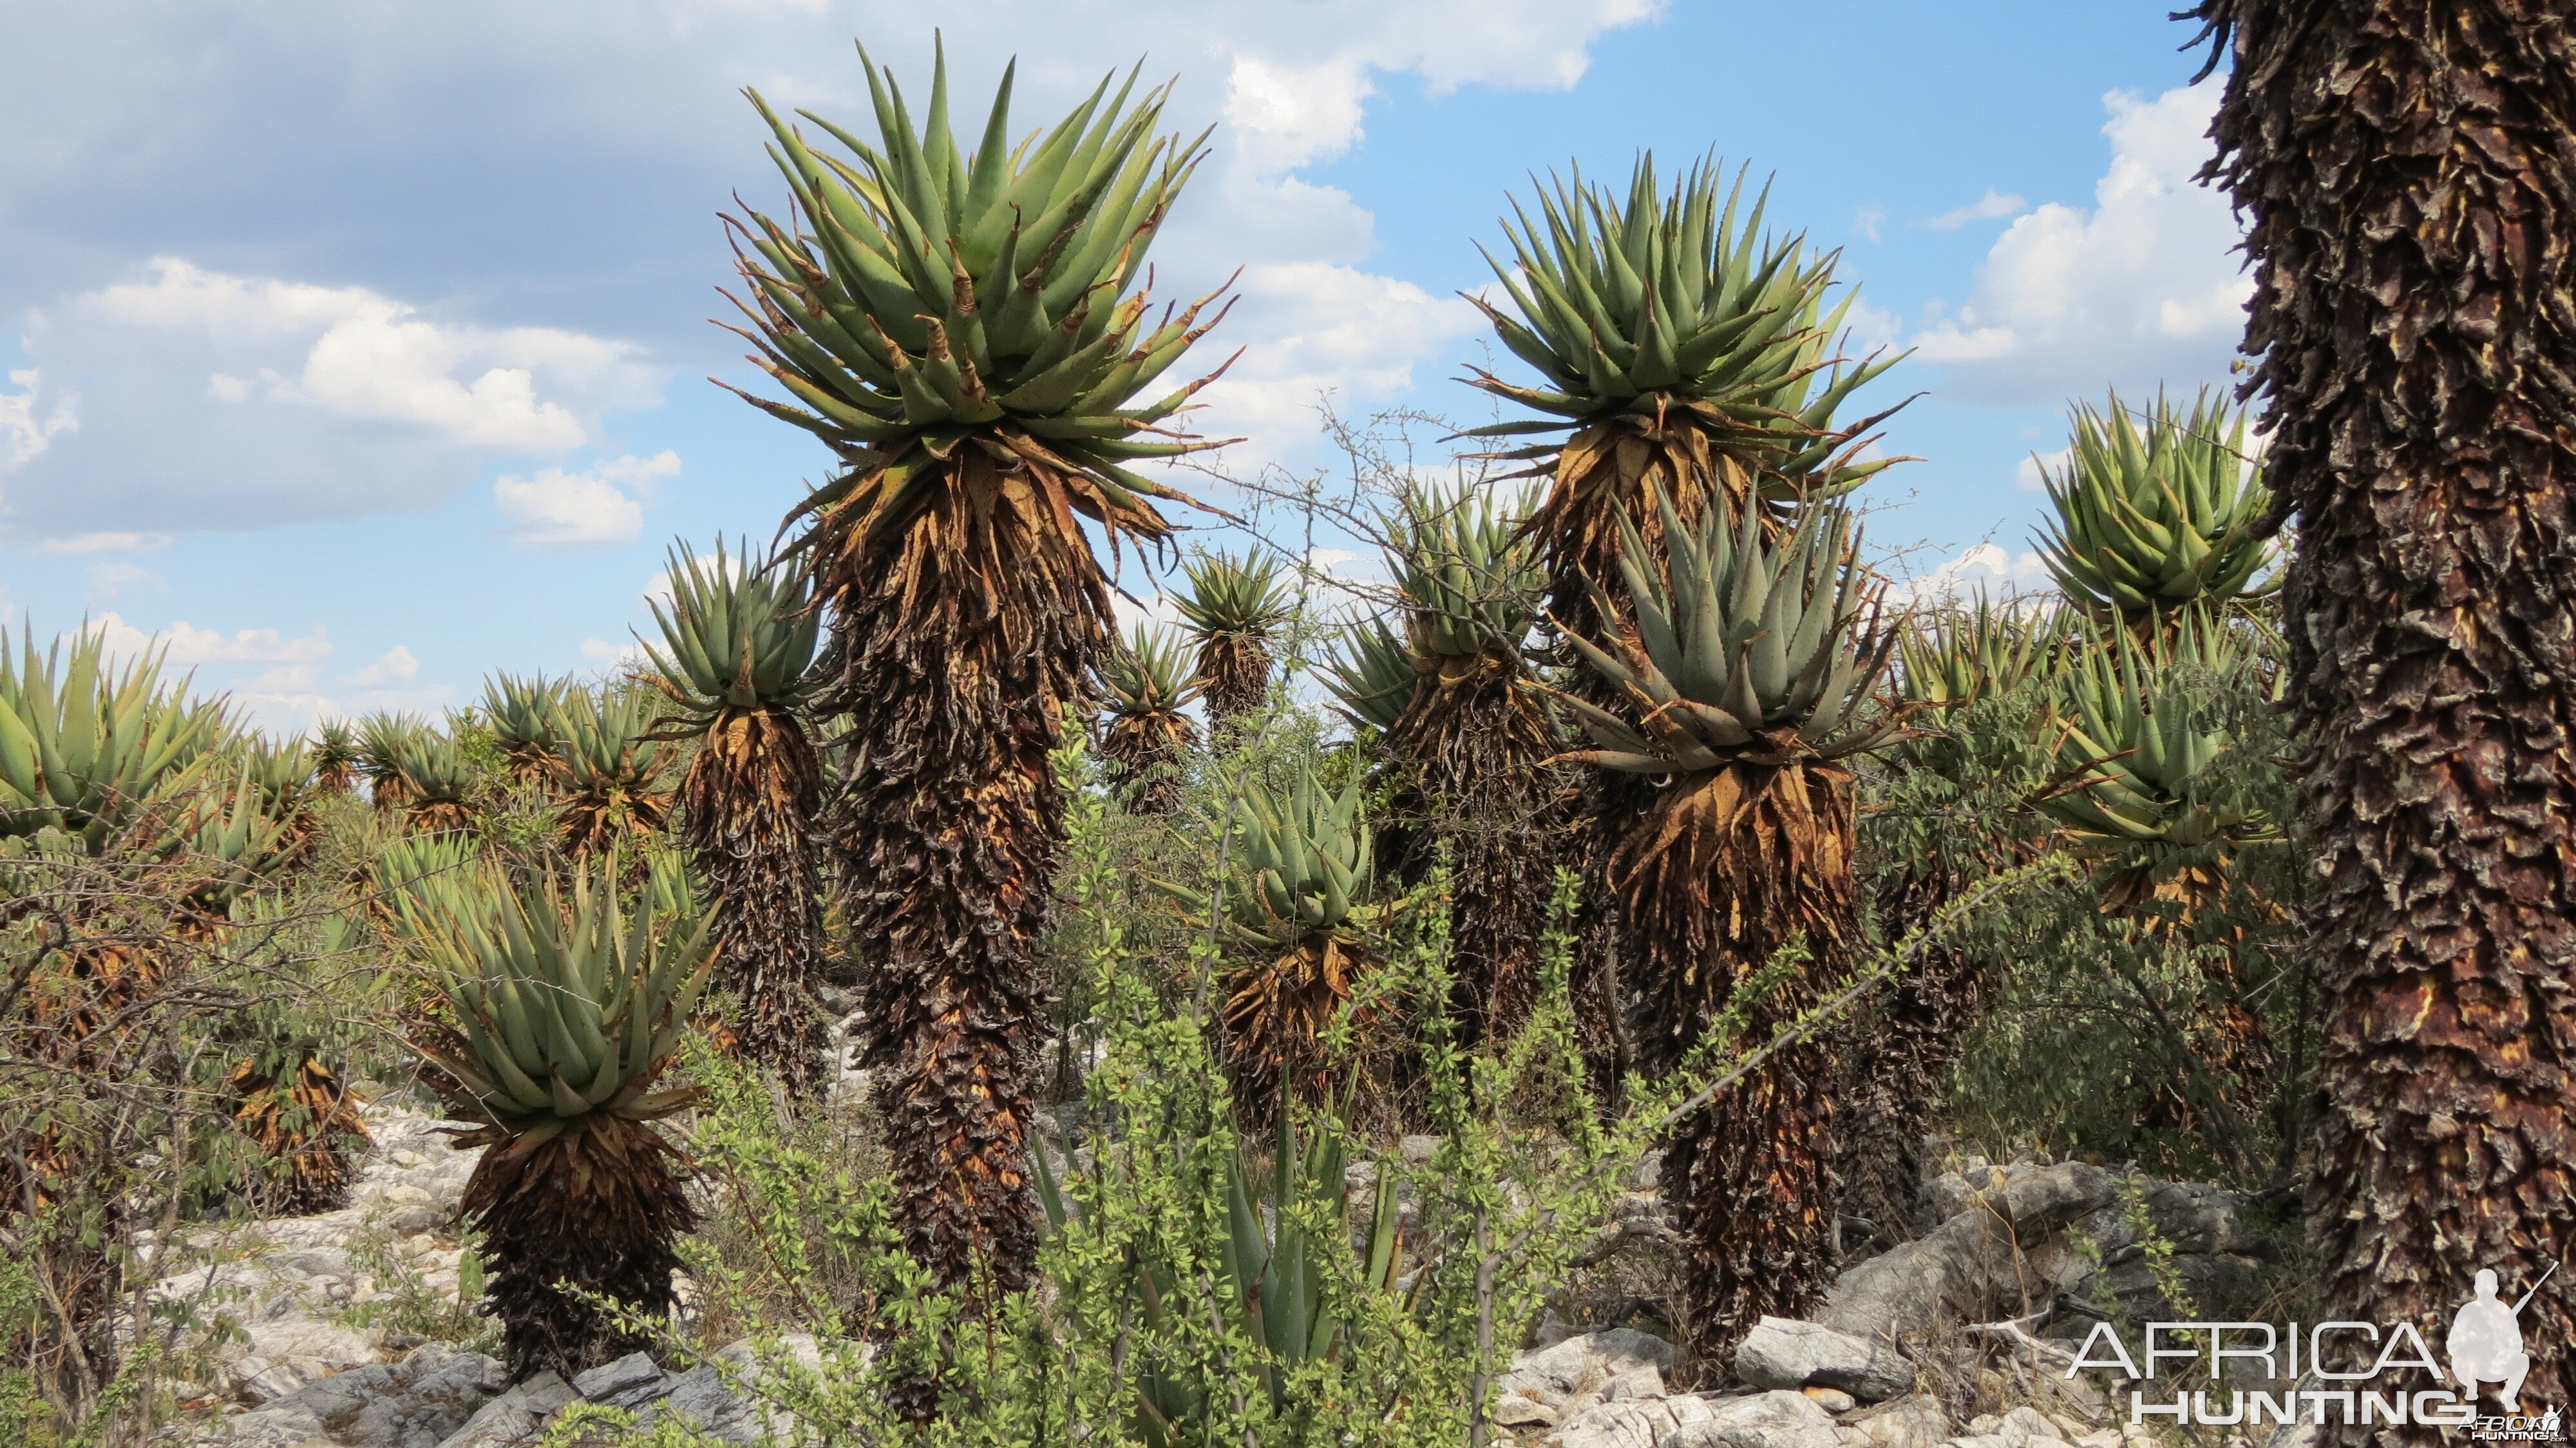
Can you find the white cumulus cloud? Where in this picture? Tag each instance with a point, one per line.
(208, 399)
(1989, 207)
(2142, 288)
(24, 434)
(183, 645)
(1982, 568)
(1317, 328)
(107, 580)
(111, 542)
(393, 666)
(2035, 469)
(602, 507)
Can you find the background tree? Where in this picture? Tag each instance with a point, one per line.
(1144, 737)
(612, 795)
(736, 660)
(956, 326)
(335, 758)
(525, 715)
(1300, 897)
(381, 738)
(1474, 735)
(1234, 605)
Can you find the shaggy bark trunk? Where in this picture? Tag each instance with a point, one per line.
(596, 1208)
(955, 676)
(1895, 1072)
(1236, 668)
(2410, 173)
(748, 810)
(1476, 737)
(1722, 872)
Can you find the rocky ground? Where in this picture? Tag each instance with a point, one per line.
(344, 1330)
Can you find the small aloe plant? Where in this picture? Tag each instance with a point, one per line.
(1274, 1271)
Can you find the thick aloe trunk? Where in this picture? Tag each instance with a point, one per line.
(2410, 177)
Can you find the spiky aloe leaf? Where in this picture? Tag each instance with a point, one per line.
(1469, 572)
(1234, 596)
(1678, 307)
(1956, 654)
(87, 743)
(737, 633)
(2153, 519)
(1371, 673)
(613, 764)
(524, 714)
(920, 297)
(1741, 649)
(2135, 746)
(1146, 675)
(570, 1003)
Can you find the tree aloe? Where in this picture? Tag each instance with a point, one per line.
(570, 1007)
(1751, 667)
(1300, 893)
(1144, 736)
(2153, 520)
(1474, 735)
(736, 660)
(1235, 605)
(613, 794)
(957, 327)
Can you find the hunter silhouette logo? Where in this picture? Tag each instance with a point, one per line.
(2486, 1341)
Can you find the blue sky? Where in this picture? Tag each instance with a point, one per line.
(356, 350)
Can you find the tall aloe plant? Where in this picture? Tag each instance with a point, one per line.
(2135, 756)
(525, 715)
(1474, 735)
(381, 740)
(2150, 784)
(335, 757)
(1234, 604)
(957, 327)
(1686, 355)
(437, 782)
(613, 793)
(101, 765)
(736, 661)
(87, 743)
(1752, 668)
(1145, 738)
